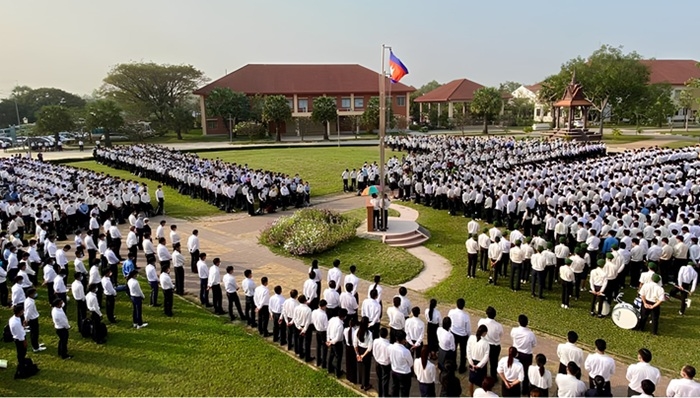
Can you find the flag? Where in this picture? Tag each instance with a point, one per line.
(397, 68)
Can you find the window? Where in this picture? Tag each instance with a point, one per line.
(359, 103)
(212, 124)
(290, 102)
(401, 100)
(345, 103)
(538, 112)
(303, 104)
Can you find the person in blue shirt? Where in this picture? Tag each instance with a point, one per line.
(609, 242)
(128, 265)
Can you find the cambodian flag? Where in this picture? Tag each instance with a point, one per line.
(397, 68)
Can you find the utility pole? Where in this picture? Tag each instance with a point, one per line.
(382, 134)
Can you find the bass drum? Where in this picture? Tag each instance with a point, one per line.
(605, 310)
(625, 316)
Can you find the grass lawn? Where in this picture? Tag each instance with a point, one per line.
(372, 257)
(176, 205)
(680, 144)
(447, 239)
(193, 353)
(624, 139)
(320, 166)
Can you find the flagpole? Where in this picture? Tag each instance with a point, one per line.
(382, 133)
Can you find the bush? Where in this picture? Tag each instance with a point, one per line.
(616, 132)
(249, 129)
(527, 129)
(309, 231)
(413, 127)
(423, 129)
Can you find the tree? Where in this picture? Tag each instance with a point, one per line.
(370, 117)
(106, 115)
(276, 110)
(426, 88)
(180, 119)
(687, 101)
(610, 78)
(487, 103)
(30, 101)
(53, 119)
(152, 91)
(508, 87)
(231, 106)
(660, 104)
(324, 111)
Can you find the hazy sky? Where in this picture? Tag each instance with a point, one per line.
(72, 44)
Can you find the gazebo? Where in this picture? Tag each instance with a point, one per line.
(572, 100)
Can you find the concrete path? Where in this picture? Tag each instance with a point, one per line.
(233, 238)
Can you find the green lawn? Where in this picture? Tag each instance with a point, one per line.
(447, 239)
(192, 354)
(320, 166)
(680, 144)
(372, 257)
(176, 205)
(625, 139)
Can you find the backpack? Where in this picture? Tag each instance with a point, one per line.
(7, 335)
(27, 368)
(86, 328)
(99, 334)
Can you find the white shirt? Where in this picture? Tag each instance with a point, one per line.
(174, 237)
(60, 320)
(683, 388)
(335, 331)
(30, 311)
(163, 253)
(400, 358)
(214, 276)
(18, 296)
(108, 287)
(192, 242)
(446, 340)
(351, 278)
(568, 352)
(372, 310)
(334, 274)
(77, 290)
(642, 371)
(515, 372)
(569, 386)
(151, 274)
(135, 288)
(460, 322)
(288, 308)
(425, 375)
(332, 298)
(92, 303)
(348, 302)
(652, 292)
(543, 382)
(178, 259)
(495, 330)
(276, 303)
(523, 339)
(414, 329)
(166, 282)
(302, 317)
(600, 365)
(18, 332)
(309, 289)
(477, 351)
(380, 348)
(481, 393)
(396, 319)
(230, 283)
(202, 270)
(261, 297)
(320, 320)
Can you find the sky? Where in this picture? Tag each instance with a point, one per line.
(72, 44)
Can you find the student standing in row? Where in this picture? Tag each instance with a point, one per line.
(232, 294)
(60, 323)
(31, 316)
(166, 284)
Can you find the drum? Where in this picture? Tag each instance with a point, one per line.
(625, 316)
(605, 310)
(638, 303)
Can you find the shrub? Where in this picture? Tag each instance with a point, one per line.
(527, 129)
(423, 129)
(616, 132)
(250, 129)
(309, 231)
(413, 127)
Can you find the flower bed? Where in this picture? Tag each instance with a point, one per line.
(309, 231)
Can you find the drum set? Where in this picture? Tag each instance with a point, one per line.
(625, 315)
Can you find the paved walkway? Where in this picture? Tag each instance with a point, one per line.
(233, 238)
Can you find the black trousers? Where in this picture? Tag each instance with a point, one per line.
(461, 343)
(484, 258)
(110, 308)
(597, 302)
(566, 291)
(62, 342)
(383, 379)
(217, 299)
(322, 350)
(550, 270)
(655, 314)
(537, 278)
(233, 299)
(154, 293)
(250, 311)
(401, 384)
(180, 280)
(279, 329)
(263, 319)
(472, 259)
(635, 270)
(204, 292)
(526, 361)
(305, 343)
(364, 367)
(591, 384)
(515, 276)
(683, 295)
(335, 359)
(494, 354)
(193, 260)
(21, 351)
(81, 306)
(4, 293)
(34, 332)
(168, 302)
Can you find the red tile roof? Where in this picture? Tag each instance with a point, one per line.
(289, 79)
(534, 87)
(456, 90)
(673, 71)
